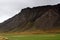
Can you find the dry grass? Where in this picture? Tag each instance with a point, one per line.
(3, 38)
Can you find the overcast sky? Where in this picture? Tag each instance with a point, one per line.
(9, 8)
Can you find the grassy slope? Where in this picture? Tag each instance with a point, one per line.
(33, 37)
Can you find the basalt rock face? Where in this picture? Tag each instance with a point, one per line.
(36, 18)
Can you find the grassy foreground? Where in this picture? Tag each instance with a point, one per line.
(33, 37)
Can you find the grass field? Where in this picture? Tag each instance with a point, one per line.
(33, 37)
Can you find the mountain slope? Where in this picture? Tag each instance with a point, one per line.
(43, 18)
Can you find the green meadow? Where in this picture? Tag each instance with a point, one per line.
(32, 37)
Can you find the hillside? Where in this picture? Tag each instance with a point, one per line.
(41, 18)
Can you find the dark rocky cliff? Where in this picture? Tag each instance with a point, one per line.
(36, 18)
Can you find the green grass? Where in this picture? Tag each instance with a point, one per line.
(33, 37)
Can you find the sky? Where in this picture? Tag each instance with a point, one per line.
(9, 8)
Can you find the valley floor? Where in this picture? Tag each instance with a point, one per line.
(32, 36)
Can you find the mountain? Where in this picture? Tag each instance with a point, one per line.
(41, 18)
